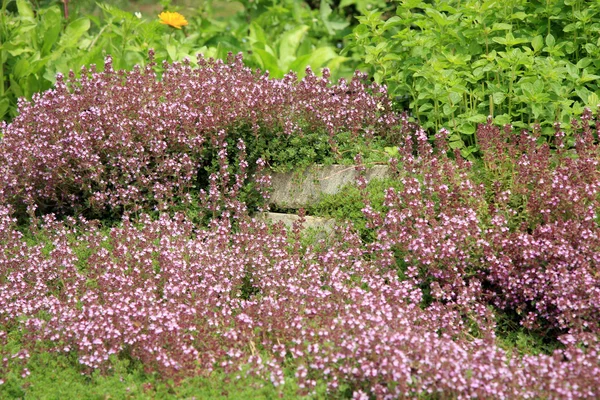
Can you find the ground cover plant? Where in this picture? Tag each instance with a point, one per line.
(418, 303)
(125, 141)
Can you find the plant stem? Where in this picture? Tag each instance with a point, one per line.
(1, 73)
(510, 91)
(2, 25)
(66, 8)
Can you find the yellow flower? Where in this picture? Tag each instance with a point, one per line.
(173, 19)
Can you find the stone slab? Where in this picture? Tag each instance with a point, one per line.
(298, 189)
(325, 225)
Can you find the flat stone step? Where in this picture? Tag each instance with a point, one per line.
(296, 190)
(319, 224)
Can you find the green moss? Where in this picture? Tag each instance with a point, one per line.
(519, 341)
(60, 377)
(346, 205)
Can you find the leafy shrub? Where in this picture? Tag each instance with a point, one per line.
(40, 42)
(126, 139)
(453, 63)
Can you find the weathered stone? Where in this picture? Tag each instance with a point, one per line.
(325, 225)
(298, 189)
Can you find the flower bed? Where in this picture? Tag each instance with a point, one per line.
(413, 309)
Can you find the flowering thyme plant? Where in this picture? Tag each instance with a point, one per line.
(188, 302)
(412, 312)
(521, 232)
(128, 140)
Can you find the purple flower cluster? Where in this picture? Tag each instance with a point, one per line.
(128, 139)
(188, 302)
(523, 237)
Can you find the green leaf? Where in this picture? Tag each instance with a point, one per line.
(391, 22)
(408, 4)
(467, 151)
(335, 64)
(528, 89)
(16, 88)
(570, 27)
(585, 78)
(171, 51)
(537, 109)
(548, 131)
(51, 26)
(331, 26)
(501, 27)
(498, 98)
(378, 77)
(519, 15)
(590, 48)
(425, 107)
(437, 17)
(74, 31)
(24, 9)
(317, 59)
(257, 34)
(116, 12)
(478, 118)
(572, 70)
(550, 41)
(510, 40)
(593, 100)
(537, 43)
(288, 45)
(448, 110)
(18, 50)
(457, 144)
(21, 68)
(267, 61)
(583, 93)
(467, 129)
(584, 62)
(502, 119)
(4, 105)
(392, 57)
(455, 98)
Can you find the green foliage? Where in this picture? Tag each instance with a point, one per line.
(38, 42)
(453, 63)
(346, 205)
(517, 340)
(59, 377)
(33, 45)
(289, 36)
(297, 152)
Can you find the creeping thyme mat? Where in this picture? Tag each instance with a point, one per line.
(188, 303)
(416, 308)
